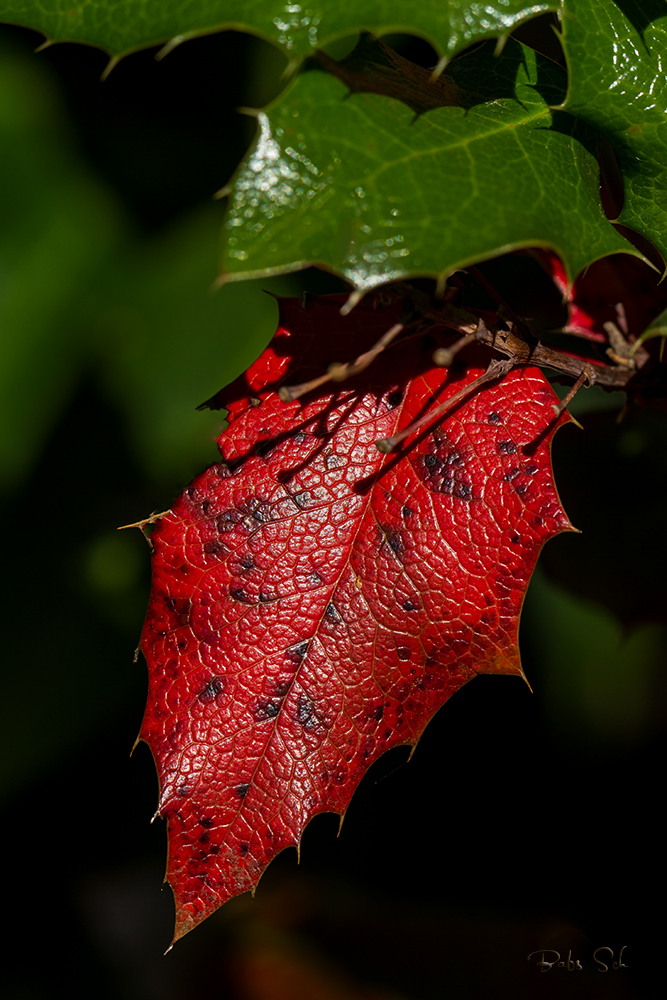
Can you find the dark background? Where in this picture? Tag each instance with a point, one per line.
(522, 821)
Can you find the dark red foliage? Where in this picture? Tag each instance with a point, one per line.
(315, 602)
(595, 297)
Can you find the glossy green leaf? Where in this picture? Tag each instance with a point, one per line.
(616, 54)
(358, 185)
(122, 26)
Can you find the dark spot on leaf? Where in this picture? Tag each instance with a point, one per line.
(506, 447)
(302, 499)
(206, 506)
(214, 687)
(240, 595)
(443, 470)
(395, 397)
(305, 711)
(332, 614)
(181, 608)
(254, 401)
(266, 710)
(266, 598)
(282, 687)
(512, 474)
(204, 838)
(530, 470)
(407, 512)
(300, 437)
(494, 418)
(538, 521)
(403, 652)
(515, 539)
(197, 867)
(297, 653)
(225, 522)
(315, 579)
(242, 790)
(378, 712)
(521, 489)
(222, 470)
(247, 561)
(259, 511)
(243, 849)
(408, 606)
(214, 548)
(386, 734)
(334, 461)
(206, 821)
(392, 538)
(431, 661)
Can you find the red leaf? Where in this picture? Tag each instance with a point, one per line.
(315, 602)
(594, 298)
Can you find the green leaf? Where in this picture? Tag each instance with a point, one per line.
(122, 26)
(616, 58)
(358, 185)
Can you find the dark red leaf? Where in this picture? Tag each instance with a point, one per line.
(594, 298)
(315, 602)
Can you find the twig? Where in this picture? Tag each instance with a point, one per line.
(497, 368)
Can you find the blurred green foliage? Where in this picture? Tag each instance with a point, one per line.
(85, 296)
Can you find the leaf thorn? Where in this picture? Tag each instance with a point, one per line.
(113, 62)
(439, 68)
(172, 44)
(353, 300)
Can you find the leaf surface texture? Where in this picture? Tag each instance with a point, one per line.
(314, 602)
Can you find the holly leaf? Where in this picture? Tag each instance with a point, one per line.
(298, 28)
(355, 183)
(315, 601)
(615, 54)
